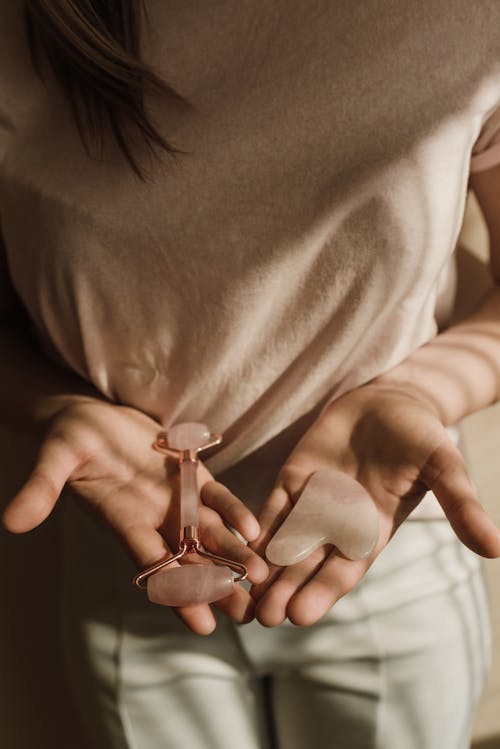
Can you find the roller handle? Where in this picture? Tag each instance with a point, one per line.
(190, 499)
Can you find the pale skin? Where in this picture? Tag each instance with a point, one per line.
(390, 434)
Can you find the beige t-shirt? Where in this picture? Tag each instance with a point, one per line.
(295, 250)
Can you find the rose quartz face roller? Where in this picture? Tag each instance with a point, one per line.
(333, 508)
(188, 584)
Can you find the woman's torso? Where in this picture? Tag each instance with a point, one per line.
(296, 250)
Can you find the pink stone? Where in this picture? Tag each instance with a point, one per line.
(190, 584)
(333, 508)
(190, 496)
(189, 435)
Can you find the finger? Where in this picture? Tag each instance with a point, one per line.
(219, 540)
(147, 547)
(271, 610)
(230, 508)
(336, 577)
(446, 475)
(258, 590)
(275, 510)
(239, 606)
(145, 544)
(199, 618)
(36, 499)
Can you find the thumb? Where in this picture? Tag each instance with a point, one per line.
(37, 497)
(446, 475)
(275, 509)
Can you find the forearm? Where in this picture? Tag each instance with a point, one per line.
(32, 388)
(458, 372)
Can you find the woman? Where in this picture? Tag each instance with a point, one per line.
(271, 266)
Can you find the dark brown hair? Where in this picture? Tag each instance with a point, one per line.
(92, 47)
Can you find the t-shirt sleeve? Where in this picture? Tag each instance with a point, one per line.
(486, 149)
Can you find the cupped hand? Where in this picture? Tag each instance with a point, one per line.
(392, 441)
(104, 453)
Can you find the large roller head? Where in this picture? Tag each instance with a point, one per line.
(190, 584)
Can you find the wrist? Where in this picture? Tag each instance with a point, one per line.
(47, 408)
(412, 379)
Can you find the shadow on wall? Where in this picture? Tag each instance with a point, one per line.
(473, 273)
(474, 280)
(36, 711)
(492, 743)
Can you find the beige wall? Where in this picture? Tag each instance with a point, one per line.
(481, 433)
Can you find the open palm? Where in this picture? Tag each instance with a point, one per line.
(104, 453)
(394, 444)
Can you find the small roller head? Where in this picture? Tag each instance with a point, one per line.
(189, 435)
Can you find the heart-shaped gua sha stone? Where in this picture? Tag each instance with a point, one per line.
(333, 508)
(190, 584)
